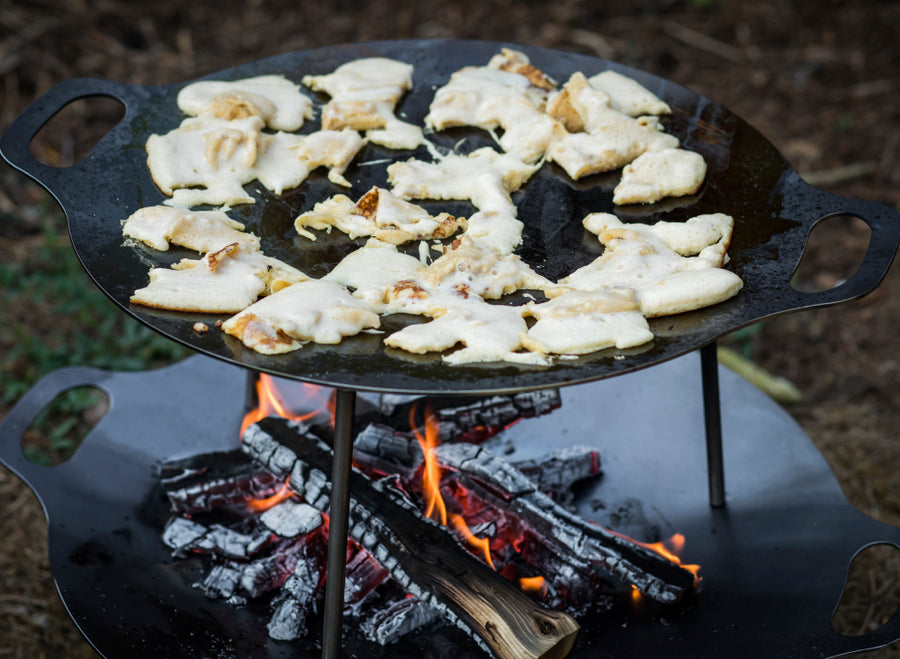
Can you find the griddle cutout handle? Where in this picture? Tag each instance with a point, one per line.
(26, 410)
(15, 143)
(884, 225)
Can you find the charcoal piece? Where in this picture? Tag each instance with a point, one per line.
(363, 575)
(288, 622)
(390, 623)
(306, 580)
(266, 574)
(207, 481)
(289, 519)
(485, 529)
(298, 598)
(180, 533)
(221, 581)
(183, 535)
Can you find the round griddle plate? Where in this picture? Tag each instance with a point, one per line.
(774, 211)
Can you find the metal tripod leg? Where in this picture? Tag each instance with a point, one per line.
(345, 406)
(712, 416)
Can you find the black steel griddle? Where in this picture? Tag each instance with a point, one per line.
(774, 210)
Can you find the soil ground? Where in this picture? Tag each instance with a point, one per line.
(821, 80)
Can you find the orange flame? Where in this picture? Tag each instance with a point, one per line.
(669, 549)
(483, 544)
(270, 403)
(637, 599)
(431, 484)
(262, 505)
(431, 475)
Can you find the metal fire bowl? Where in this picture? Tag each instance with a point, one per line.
(773, 208)
(773, 560)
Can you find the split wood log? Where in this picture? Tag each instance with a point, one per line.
(422, 556)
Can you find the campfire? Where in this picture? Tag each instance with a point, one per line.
(443, 529)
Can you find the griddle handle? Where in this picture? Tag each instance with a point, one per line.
(26, 410)
(15, 143)
(884, 224)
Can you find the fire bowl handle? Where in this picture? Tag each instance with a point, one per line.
(26, 410)
(15, 143)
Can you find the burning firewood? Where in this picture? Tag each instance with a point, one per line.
(404, 570)
(420, 555)
(577, 544)
(380, 449)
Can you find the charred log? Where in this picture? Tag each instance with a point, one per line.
(379, 449)
(468, 419)
(567, 537)
(556, 473)
(382, 450)
(423, 557)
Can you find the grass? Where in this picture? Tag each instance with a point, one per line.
(54, 316)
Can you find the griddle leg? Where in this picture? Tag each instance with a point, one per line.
(344, 411)
(251, 397)
(712, 416)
